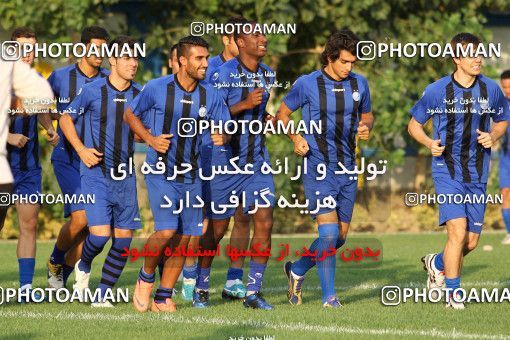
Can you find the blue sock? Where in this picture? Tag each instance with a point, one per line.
(114, 264)
(452, 284)
(92, 246)
(234, 274)
(438, 262)
(506, 219)
(255, 276)
(149, 278)
(304, 264)
(67, 270)
(203, 278)
(26, 270)
(162, 294)
(328, 236)
(190, 272)
(57, 256)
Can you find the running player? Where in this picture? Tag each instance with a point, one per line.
(340, 100)
(163, 105)
(461, 145)
(107, 144)
(66, 83)
(23, 157)
(246, 103)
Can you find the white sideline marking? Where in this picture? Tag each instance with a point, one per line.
(372, 286)
(297, 327)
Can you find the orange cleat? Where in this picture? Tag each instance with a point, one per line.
(167, 306)
(142, 295)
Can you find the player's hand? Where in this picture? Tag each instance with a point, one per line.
(301, 147)
(52, 137)
(18, 140)
(485, 139)
(435, 148)
(254, 98)
(219, 139)
(160, 143)
(363, 131)
(271, 120)
(90, 156)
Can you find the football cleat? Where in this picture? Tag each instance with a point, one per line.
(435, 279)
(256, 301)
(81, 281)
(37, 297)
(167, 306)
(201, 298)
(332, 302)
(142, 295)
(506, 240)
(55, 275)
(188, 286)
(294, 292)
(234, 292)
(104, 304)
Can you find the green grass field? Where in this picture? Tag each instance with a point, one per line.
(363, 315)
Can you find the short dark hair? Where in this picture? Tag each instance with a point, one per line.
(505, 75)
(122, 40)
(23, 32)
(93, 32)
(234, 21)
(340, 40)
(186, 43)
(239, 32)
(464, 39)
(172, 49)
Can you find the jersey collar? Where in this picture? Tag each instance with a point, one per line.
(325, 74)
(462, 87)
(113, 87)
(99, 70)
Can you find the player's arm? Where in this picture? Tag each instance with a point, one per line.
(17, 139)
(253, 99)
(365, 125)
(301, 147)
(487, 139)
(416, 131)
(45, 120)
(89, 156)
(159, 143)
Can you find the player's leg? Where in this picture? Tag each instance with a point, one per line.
(73, 255)
(190, 269)
(165, 227)
(262, 228)
(26, 249)
(239, 239)
(163, 301)
(505, 211)
(68, 178)
(209, 241)
(453, 254)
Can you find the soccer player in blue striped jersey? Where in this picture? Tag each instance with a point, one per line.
(340, 100)
(246, 103)
(240, 235)
(66, 83)
(461, 106)
(23, 157)
(160, 106)
(504, 163)
(108, 145)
